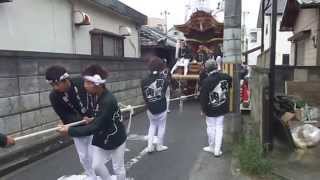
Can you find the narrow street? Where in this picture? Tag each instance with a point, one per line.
(185, 137)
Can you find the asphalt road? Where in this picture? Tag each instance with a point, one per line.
(185, 137)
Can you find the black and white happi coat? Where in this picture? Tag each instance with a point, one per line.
(214, 94)
(73, 105)
(107, 128)
(154, 90)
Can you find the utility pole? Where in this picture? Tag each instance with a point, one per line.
(232, 55)
(273, 46)
(165, 13)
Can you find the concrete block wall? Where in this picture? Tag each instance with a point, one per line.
(307, 74)
(24, 101)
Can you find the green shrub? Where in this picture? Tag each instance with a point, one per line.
(250, 155)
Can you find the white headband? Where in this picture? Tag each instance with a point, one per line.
(62, 77)
(96, 79)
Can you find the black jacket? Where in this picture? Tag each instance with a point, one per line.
(3, 140)
(154, 90)
(68, 106)
(202, 76)
(108, 132)
(214, 94)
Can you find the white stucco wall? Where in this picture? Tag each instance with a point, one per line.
(36, 25)
(307, 20)
(46, 26)
(107, 21)
(283, 46)
(252, 57)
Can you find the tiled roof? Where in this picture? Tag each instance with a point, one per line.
(122, 9)
(153, 37)
(308, 2)
(268, 6)
(292, 12)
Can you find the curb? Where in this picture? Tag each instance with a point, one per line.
(280, 176)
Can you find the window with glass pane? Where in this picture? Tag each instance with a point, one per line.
(109, 48)
(106, 44)
(253, 37)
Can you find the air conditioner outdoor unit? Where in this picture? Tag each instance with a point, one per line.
(81, 18)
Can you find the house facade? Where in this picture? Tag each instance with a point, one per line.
(283, 44)
(37, 34)
(96, 27)
(302, 18)
(253, 39)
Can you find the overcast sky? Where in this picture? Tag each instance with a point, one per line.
(153, 8)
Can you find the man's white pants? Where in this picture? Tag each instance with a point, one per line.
(157, 121)
(84, 149)
(215, 132)
(101, 157)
